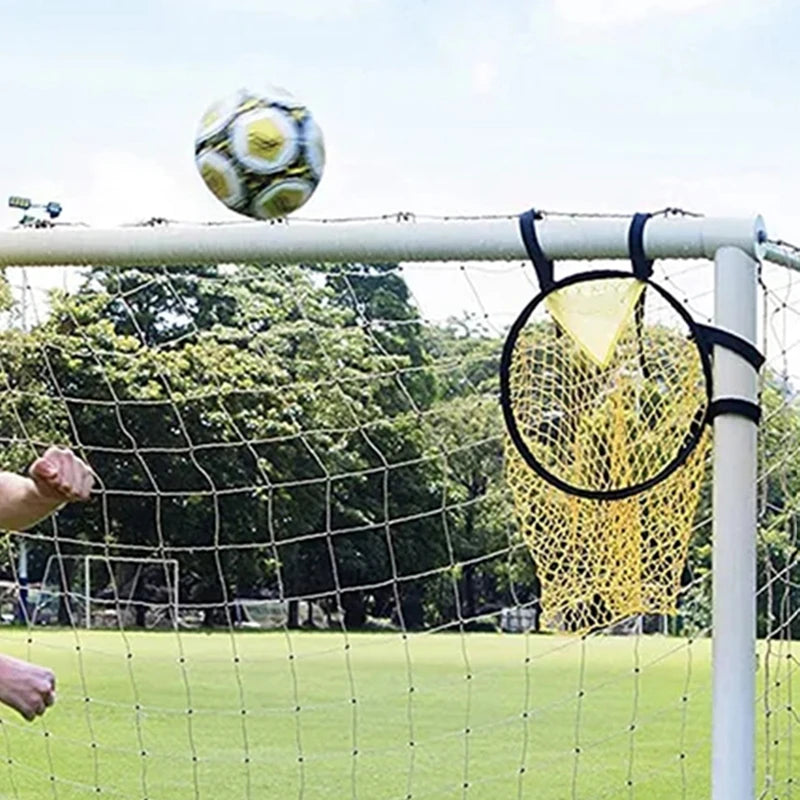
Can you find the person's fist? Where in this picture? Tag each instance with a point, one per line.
(61, 475)
(25, 687)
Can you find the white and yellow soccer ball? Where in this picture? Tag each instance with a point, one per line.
(262, 154)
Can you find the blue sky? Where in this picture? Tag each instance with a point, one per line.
(430, 106)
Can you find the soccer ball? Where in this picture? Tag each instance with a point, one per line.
(260, 154)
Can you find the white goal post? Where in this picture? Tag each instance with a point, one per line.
(82, 596)
(392, 239)
(735, 244)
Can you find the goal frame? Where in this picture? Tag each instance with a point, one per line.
(736, 245)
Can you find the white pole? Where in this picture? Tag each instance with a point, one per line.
(734, 539)
(23, 581)
(425, 240)
(87, 576)
(177, 596)
(782, 254)
(23, 561)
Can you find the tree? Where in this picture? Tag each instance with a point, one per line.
(227, 413)
(492, 566)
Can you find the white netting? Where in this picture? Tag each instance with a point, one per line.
(320, 451)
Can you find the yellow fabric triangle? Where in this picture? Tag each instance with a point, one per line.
(595, 313)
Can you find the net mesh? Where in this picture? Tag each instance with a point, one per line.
(603, 421)
(778, 596)
(614, 423)
(321, 451)
(601, 562)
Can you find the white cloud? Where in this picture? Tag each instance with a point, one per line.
(293, 9)
(118, 187)
(621, 12)
(771, 193)
(484, 76)
(124, 186)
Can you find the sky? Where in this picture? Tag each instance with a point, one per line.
(430, 106)
(427, 106)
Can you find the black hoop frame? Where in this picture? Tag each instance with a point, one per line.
(697, 426)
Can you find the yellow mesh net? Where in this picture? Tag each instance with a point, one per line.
(603, 424)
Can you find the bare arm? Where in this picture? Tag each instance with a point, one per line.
(58, 477)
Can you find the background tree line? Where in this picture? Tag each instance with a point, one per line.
(302, 433)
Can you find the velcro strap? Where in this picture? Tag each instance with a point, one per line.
(731, 341)
(642, 266)
(735, 405)
(543, 266)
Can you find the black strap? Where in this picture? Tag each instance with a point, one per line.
(731, 341)
(544, 267)
(638, 318)
(642, 266)
(642, 269)
(735, 405)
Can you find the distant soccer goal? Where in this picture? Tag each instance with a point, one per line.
(140, 592)
(408, 508)
(108, 592)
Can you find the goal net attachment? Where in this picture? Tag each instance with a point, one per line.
(606, 386)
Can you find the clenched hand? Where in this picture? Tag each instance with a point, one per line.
(28, 688)
(61, 475)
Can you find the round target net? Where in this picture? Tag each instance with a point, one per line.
(606, 391)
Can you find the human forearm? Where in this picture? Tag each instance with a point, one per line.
(22, 504)
(58, 477)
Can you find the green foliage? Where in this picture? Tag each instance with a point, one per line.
(6, 295)
(777, 543)
(247, 416)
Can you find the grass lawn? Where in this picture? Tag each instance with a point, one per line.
(314, 700)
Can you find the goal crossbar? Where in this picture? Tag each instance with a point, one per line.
(402, 239)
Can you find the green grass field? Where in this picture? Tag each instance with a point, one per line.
(167, 752)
